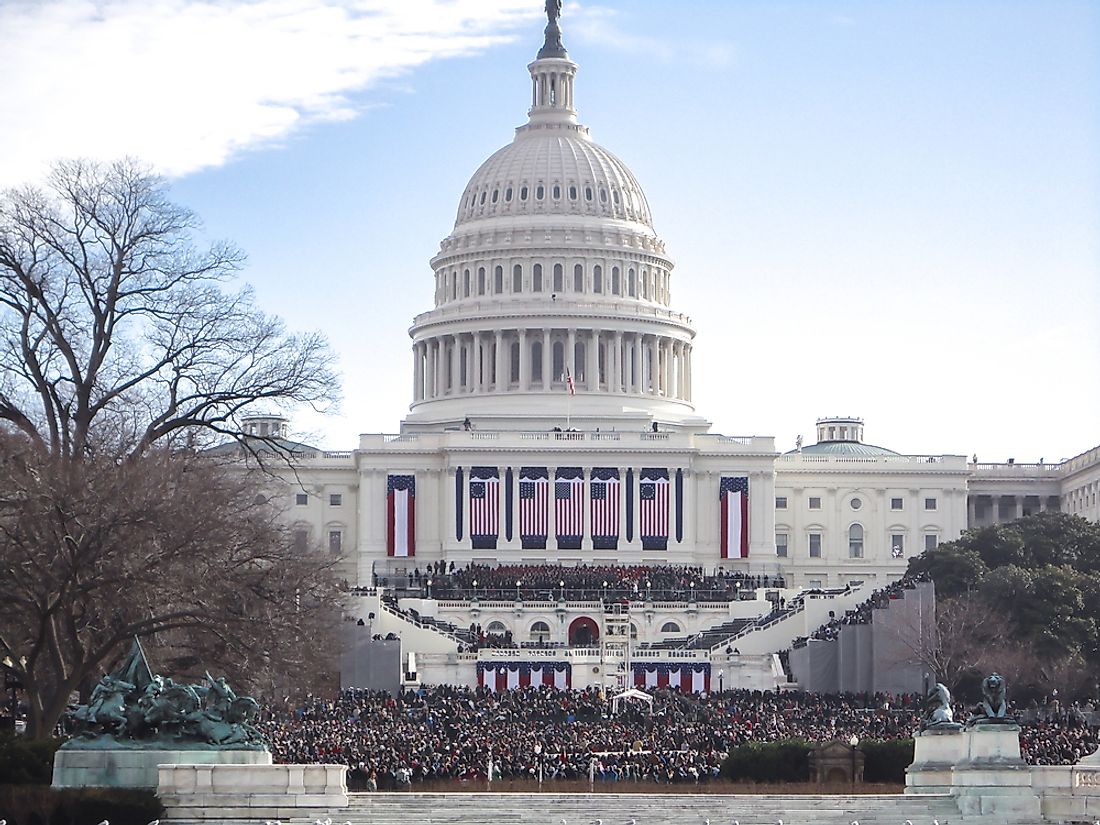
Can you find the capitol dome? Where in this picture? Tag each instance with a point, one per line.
(552, 291)
(543, 173)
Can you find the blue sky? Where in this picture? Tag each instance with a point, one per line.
(886, 209)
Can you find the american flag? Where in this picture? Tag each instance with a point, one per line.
(569, 383)
(401, 516)
(605, 508)
(533, 493)
(484, 503)
(569, 510)
(734, 494)
(653, 495)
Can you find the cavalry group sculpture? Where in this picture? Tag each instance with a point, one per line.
(133, 706)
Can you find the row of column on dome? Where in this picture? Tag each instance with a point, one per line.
(648, 284)
(543, 359)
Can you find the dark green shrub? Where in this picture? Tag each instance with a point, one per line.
(26, 761)
(886, 761)
(39, 805)
(785, 761)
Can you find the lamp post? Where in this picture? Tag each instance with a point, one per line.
(518, 583)
(429, 588)
(603, 591)
(737, 590)
(854, 741)
(721, 680)
(474, 583)
(648, 598)
(538, 762)
(561, 588)
(692, 591)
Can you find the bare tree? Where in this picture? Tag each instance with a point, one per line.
(122, 357)
(116, 331)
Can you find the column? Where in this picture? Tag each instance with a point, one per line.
(456, 371)
(971, 512)
(524, 363)
(546, 360)
(1018, 506)
(439, 352)
(477, 353)
(666, 346)
(654, 372)
(616, 364)
(636, 366)
(571, 354)
(502, 376)
(593, 368)
(416, 372)
(687, 375)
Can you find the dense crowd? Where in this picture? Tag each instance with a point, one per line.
(584, 582)
(441, 733)
(864, 611)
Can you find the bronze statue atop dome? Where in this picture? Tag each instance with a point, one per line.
(552, 47)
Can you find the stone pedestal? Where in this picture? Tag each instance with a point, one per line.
(936, 752)
(137, 767)
(238, 793)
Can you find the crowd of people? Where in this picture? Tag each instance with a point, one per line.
(455, 733)
(863, 613)
(589, 582)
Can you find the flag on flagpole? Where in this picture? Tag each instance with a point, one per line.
(734, 495)
(401, 516)
(569, 383)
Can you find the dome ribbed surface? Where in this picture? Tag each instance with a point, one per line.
(573, 175)
(851, 448)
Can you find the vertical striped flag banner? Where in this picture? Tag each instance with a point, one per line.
(401, 516)
(604, 495)
(688, 677)
(734, 495)
(569, 507)
(653, 507)
(534, 490)
(484, 507)
(502, 676)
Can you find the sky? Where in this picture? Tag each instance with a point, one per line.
(885, 209)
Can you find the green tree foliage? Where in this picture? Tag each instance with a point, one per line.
(785, 761)
(1041, 574)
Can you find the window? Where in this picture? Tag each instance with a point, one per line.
(559, 278)
(496, 629)
(466, 291)
(616, 286)
(514, 361)
(498, 280)
(539, 192)
(536, 361)
(496, 192)
(578, 278)
(897, 504)
(929, 504)
(481, 280)
(897, 545)
(335, 499)
(670, 627)
(930, 541)
(557, 358)
(630, 283)
(855, 541)
(301, 540)
(588, 193)
(517, 278)
(508, 195)
(523, 193)
(540, 632)
(301, 499)
(597, 279)
(814, 584)
(536, 278)
(780, 502)
(557, 192)
(781, 545)
(815, 545)
(335, 542)
(572, 193)
(856, 503)
(815, 503)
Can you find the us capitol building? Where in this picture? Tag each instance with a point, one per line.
(552, 423)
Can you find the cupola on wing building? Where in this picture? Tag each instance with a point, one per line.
(552, 423)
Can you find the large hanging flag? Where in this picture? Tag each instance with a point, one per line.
(569, 385)
(734, 495)
(604, 494)
(569, 507)
(484, 507)
(401, 516)
(534, 489)
(653, 507)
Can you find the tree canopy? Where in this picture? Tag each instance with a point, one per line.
(123, 358)
(1040, 576)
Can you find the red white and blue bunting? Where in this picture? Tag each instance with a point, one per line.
(501, 676)
(689, 677)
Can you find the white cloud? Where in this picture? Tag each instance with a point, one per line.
(602, 25)
(185, 84)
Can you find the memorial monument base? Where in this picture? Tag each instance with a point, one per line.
(137, 767)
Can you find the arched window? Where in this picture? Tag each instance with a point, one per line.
(630, 287)
(536, 278)
(540, 632)
(448, 363)
(645, 284)
(523, 193)
(514, 361)
(557, 369)
(601, 363)
(454, 284)
(498, 280)
(466, 276)
(508, 195)
(517, 278)
(536, 361)
(481, 280)
(855, 541)
(616, 286)
(540, 192)
(633, 632)
(572, 193)
(578, 278)
(496, 194)
(580, 352)
(557, 192)
(597, 279)
(670, 627)
(559, 278)
(496, 629)
(588, 193)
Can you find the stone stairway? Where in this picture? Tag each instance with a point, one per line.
(644, 809)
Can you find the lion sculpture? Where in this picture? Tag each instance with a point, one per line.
(993, 707)
(937, 709)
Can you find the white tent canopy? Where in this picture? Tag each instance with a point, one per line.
(631, 694)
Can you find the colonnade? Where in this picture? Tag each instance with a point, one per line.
(538, 360)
